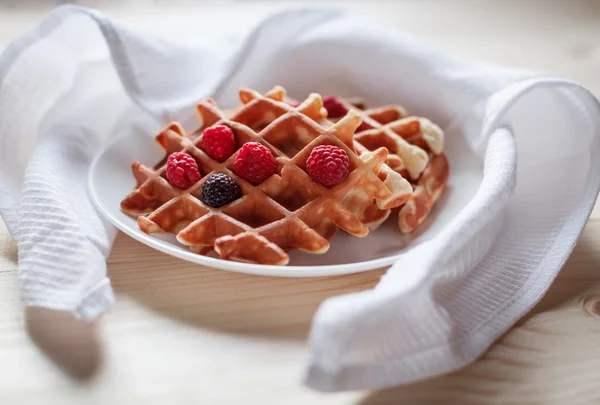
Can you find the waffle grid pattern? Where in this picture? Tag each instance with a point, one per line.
(287, 211)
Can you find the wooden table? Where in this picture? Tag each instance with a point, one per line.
(179, 334)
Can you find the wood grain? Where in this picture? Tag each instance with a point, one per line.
(180, 333)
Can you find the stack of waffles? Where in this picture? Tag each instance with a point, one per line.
(382, 161)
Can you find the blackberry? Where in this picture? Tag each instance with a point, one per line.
(220, 189)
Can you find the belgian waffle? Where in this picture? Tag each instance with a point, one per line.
(371, 213)
(288, 210)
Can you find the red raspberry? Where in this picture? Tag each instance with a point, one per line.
(218, 142)
(293, 103)
(328, 165)
(363, 127)
(182, 170)
(254, 163)
(334, 107)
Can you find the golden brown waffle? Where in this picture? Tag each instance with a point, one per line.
(287, 211)
(372, 213)
(428, 190)
(415, 146)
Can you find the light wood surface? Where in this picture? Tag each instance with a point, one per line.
(181, 334)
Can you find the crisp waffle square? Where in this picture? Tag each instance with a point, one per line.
(287, 211)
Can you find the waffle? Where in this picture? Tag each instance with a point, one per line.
(288, 210)
(415, 146)
(372, 213)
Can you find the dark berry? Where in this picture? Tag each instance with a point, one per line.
(220, 189)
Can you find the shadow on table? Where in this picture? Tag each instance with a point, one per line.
(283, 308)
(73, 345)
(221, 300)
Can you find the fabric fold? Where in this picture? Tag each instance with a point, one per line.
(443, 322)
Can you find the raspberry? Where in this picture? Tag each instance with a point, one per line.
(182, 170)
(363, 127)
(328, 165)
(293, 103)
(334, 107)
(220, 189)
(254, 163)
(218, 142)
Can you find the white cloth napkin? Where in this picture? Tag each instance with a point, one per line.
(65, 85)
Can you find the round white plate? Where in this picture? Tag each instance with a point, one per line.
(110, 180)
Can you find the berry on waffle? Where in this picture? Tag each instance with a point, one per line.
(372, 214)
(288, 210)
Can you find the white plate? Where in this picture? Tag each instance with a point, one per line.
(110, 180)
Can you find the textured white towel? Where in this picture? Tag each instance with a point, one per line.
(64, 85)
